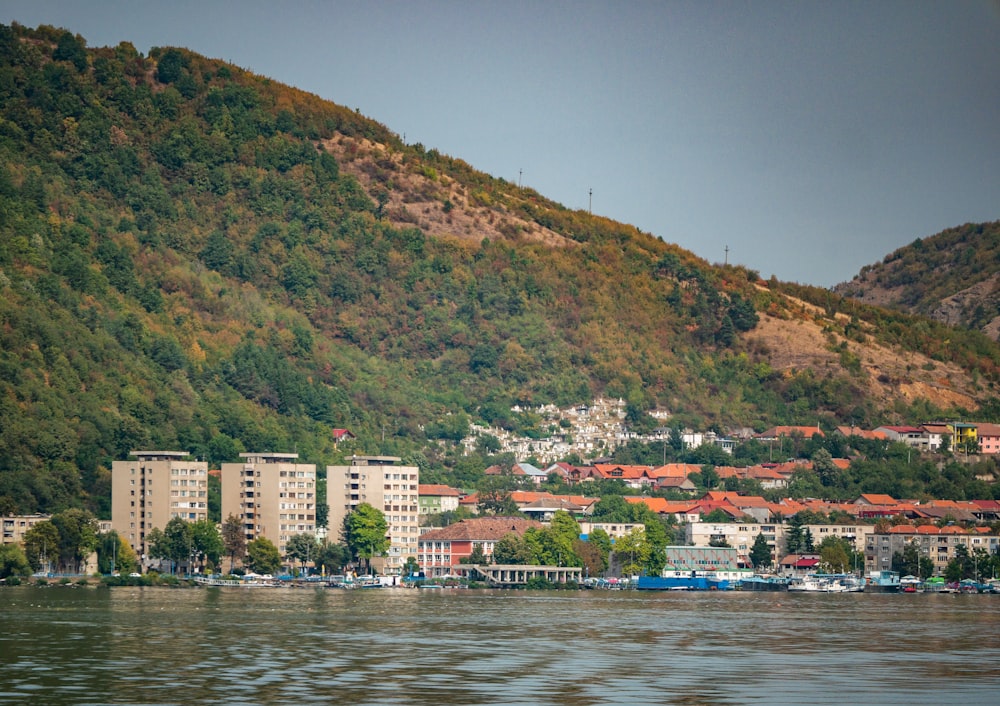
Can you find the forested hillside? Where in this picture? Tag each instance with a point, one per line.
(194, 257)
(953, 277)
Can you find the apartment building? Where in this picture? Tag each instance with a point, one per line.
(738, 535)
(939, 544)
(272, 495)
(387, 486)
(14, 527)
(152, 489)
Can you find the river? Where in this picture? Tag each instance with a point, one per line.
(130, 645)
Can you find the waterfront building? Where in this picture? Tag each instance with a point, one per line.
(939, 544)
(440, 551)
(740, 536)
(272, 495)
(723, 563)
(14, 527)
(390, 488)
(152, 489)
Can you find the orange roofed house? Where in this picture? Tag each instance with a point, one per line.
(439, 550)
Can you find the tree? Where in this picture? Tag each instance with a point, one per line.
(808, 545)
(593, 556)
(331, 557)
(178, 543)
(263, 556)
(41, 545)
(835, 554)
(632, 552)
(234, 539)
(77, 537)
(13, 561)
(114, 554)
(793, 538)
(824, 467)
(206, 542)
(511, 549)
(495, 497)
(164, 546)
(477, 556)
(760, 552)
(657, 538)
(709, 477)
(302, 548)
(364, 532)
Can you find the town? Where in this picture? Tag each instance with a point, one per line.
(435, 531)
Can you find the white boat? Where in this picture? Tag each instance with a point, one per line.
(826, 583)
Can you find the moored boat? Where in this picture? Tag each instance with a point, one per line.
(689, 582)
(883, 582)
(757, 582)
(826, 583)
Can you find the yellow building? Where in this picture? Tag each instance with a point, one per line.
(964, 437)
(272, 495)
(386, 486)
(154, 488)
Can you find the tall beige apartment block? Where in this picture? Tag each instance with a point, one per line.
(154, 488)
(387, 486)
(273, 496)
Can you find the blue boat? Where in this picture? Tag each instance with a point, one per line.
(692, 582)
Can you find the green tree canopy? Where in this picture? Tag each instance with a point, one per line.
(13, 561)
(512, 549)
(302, 548)
(632, 552)
(760, 553)
(263, 557)
(206, 542)
(364, 533)
(41, 545)
(77, 537)
(836, 554)
(331, 557)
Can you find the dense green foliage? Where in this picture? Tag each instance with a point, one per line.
(184, 265)
(920, 276)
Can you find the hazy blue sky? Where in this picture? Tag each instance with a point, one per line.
(810, 137)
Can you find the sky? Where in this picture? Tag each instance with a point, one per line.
(808, 138)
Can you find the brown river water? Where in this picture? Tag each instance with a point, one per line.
(68, 645)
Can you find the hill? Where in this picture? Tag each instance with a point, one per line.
(952, 277)
(194, 257)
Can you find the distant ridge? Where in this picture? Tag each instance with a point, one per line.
(952, 277)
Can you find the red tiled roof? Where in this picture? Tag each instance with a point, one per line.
(480, 529)
(805, 431)
(442, 490)
(614, 470)
(876, 499)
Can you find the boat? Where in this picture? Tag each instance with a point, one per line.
(806, 584)
(757, 582)
(826, 583)
(233, 582)
(909, 584)
(883, 582)
(684, 581)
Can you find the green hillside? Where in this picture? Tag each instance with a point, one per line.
(193, 257)
(953, 277)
